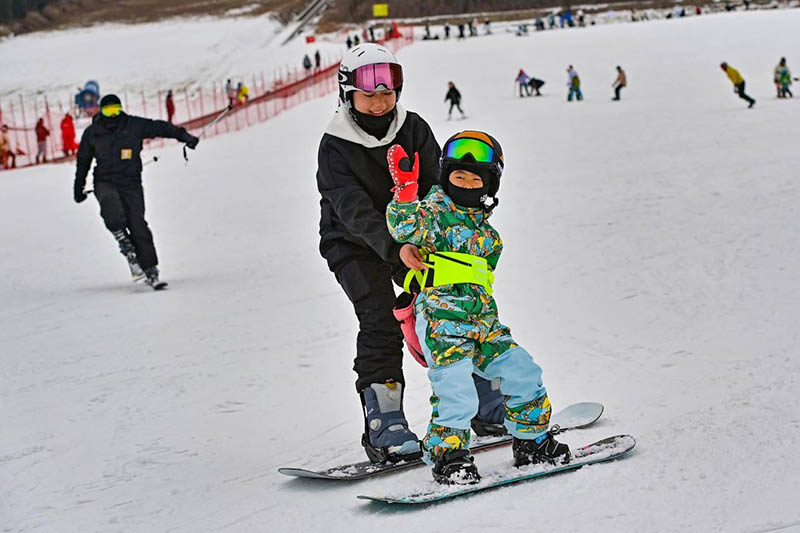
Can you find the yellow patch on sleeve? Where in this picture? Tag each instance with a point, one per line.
(126, 153)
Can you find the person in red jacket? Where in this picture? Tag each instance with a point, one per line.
(170, 106)
(68, 135)
(42, 133)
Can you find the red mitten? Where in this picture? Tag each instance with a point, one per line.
(404, 176)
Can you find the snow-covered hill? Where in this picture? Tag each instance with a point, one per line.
(650, 263)
(150, 57)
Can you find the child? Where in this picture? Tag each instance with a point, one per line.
(456, 316)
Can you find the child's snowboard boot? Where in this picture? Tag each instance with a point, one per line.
(544, 449)
(455, 468)
(386, 435)
(491, 411)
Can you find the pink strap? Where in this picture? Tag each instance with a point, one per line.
(405, 315)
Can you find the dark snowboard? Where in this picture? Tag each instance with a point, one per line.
(575, 416)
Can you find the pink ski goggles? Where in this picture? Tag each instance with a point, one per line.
(378, 77)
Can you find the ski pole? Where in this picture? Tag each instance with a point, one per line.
(203, 132)
(153, 159)
(216, 119)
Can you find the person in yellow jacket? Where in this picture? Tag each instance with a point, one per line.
(243, 93)
(738, 82)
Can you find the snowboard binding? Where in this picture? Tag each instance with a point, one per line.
(544, 449)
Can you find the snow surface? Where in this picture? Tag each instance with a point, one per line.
(651, 263)
(151, 57)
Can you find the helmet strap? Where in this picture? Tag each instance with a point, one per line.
(490, 208)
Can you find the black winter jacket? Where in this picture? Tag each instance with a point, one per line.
(118, 151)
(355, 185)
(453, 95)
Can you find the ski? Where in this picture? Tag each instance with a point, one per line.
(158, 285)
(575, 416)
(601, 451)
(137, 274)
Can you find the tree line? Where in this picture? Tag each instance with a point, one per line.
(17, 9)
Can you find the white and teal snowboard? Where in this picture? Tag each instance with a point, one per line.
(607, 449)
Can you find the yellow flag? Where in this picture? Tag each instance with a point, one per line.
(380, 10)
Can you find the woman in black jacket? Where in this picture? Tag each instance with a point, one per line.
(354, 182)
(455, 100)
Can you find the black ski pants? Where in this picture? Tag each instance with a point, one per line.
(741, 93)
(617, 91)
(367, 281)
(122, 207)
(457, 105)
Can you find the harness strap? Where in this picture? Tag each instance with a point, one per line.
(450, 268)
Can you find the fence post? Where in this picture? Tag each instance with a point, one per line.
(188, 109)
(216, 126)
(258, 103)
(24, 125)
(202, 109)
(144, 105)
(50, 122)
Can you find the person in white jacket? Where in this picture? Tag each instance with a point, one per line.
(574, 84)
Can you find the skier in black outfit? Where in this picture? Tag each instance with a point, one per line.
(455, 100)
(355, 186)
(114, 139)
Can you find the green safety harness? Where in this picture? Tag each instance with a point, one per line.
(449, 268)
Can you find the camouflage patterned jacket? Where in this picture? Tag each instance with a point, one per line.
(436, 224)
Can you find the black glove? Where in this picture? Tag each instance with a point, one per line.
(79, 195)
(190, 140)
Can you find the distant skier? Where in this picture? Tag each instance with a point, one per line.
(454, 97)
(68, 135)
(242, 93)
(231, 92)
(8, 158)
(114, 139)
(783, 79)
(738, 82)
(446, 30)
(42, 133)
(534, 84)
(574, 84)
(307, 64)
(317, 60)
(619, 83)
(456, 250)
(522, 80)
(169, 103)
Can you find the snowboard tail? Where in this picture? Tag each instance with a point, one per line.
(575, 416)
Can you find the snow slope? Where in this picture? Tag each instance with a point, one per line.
(651, 264)
(153, 56)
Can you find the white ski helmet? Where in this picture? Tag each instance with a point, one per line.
(384, 71)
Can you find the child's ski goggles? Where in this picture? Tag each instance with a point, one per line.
(377, 77)
(111, 110)
(479, 150)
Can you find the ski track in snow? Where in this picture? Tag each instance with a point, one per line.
(650, 264)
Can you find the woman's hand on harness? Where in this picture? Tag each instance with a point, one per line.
(411, 257)
(404, 175)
